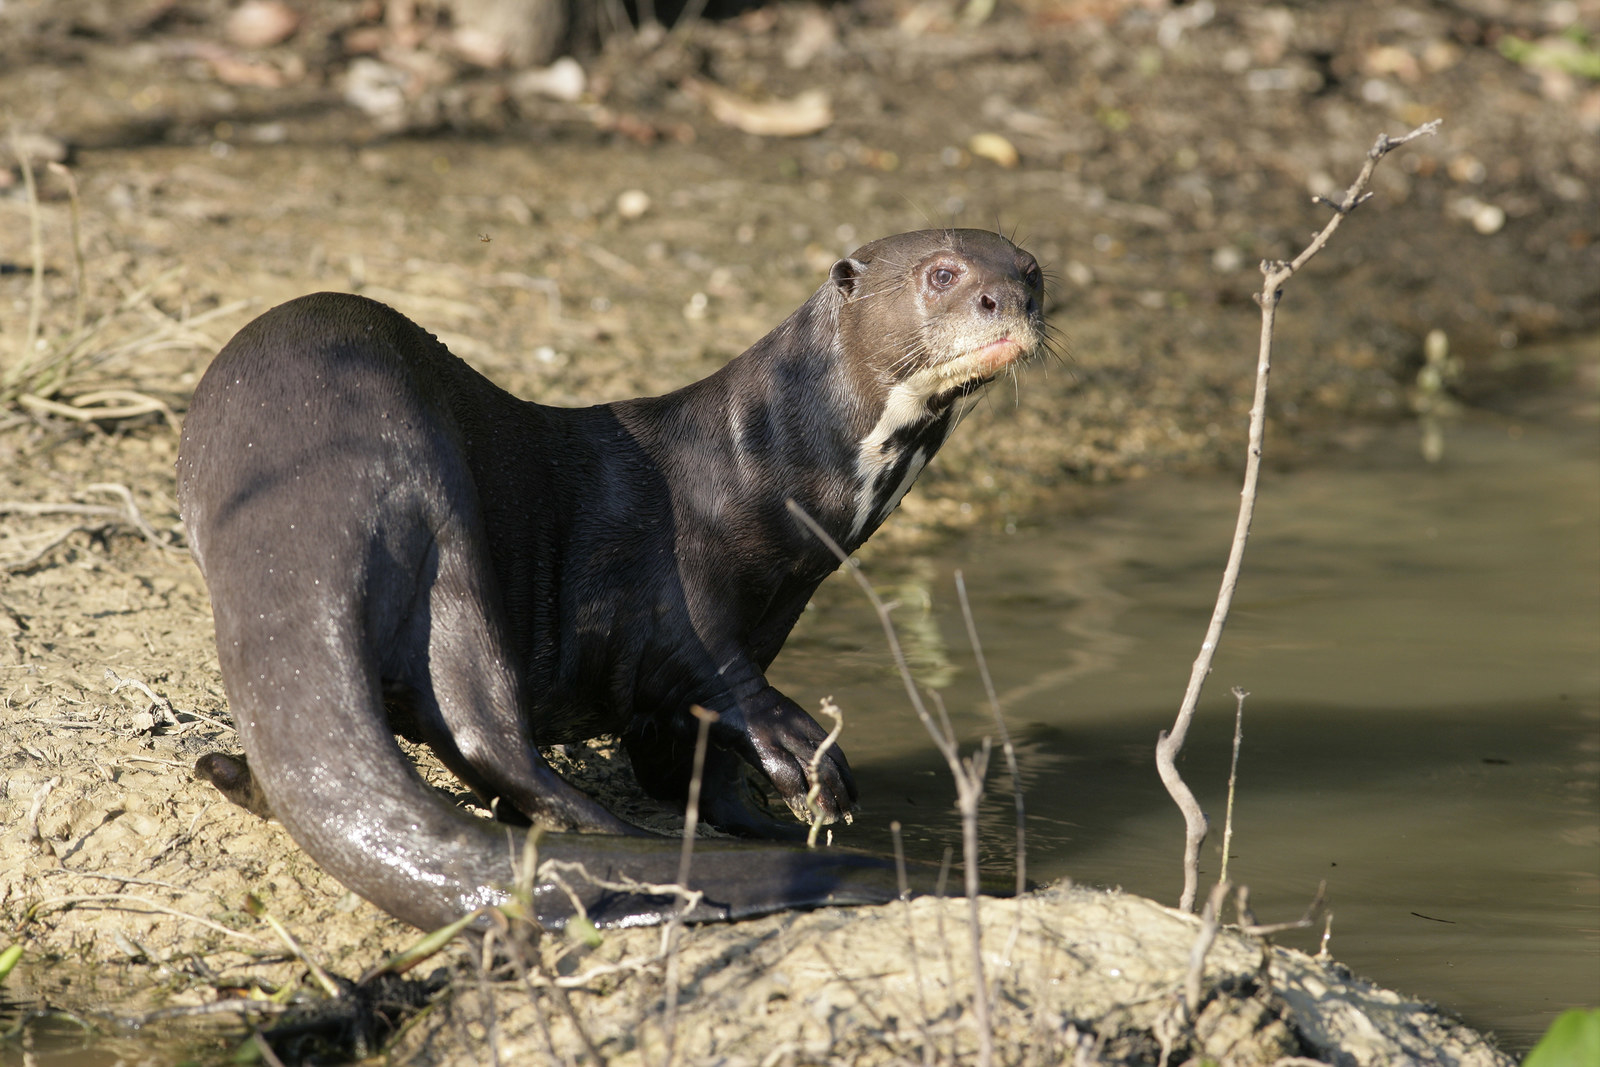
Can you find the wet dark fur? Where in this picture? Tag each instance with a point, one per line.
(390, 540)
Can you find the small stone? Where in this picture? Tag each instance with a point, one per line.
(633, 203)
(261, 24)
(1488, 219)
(1227, 259)
(562, 80)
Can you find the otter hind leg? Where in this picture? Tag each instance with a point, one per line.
(470, 707)
(231, 775)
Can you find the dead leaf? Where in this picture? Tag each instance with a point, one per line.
(798, 116)
(995, 148)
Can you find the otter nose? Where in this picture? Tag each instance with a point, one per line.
(1002, 297)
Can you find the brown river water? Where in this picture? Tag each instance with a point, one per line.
(1421, 645)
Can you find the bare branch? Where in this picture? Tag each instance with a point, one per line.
(1275, 273)
(1247, 919)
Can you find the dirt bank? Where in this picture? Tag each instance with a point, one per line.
(628, 241)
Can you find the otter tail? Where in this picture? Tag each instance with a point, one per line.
(438, 862)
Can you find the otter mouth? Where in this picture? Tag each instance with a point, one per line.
(982, 363)
(966, 374)
(931, 390)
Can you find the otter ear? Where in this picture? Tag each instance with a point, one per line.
(846, 274)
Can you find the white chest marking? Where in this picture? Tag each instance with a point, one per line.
(907, 405)
(919, 459)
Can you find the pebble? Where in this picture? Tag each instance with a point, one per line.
(261, 24)
(633, 203)
(1486, 218)
(562, 80)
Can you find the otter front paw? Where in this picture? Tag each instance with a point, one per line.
(783, 742)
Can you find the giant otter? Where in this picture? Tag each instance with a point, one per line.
(393, 542)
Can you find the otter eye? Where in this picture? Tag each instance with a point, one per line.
(941, 277)
(1032, 277)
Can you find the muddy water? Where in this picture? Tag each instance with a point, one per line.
(1422, 649)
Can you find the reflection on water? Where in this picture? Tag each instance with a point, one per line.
(1422, 648)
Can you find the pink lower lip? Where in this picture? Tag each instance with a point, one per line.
(997, 354)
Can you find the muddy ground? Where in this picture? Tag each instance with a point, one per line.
(627, 241)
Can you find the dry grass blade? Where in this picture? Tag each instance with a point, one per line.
(244, 1006)
(691, 821)
(48, 365)
(105, 404)
(1006, 746)
(254, 906)
(968, 775)
(128, 513)
(81, 289)
(36, 250)
(130, 902)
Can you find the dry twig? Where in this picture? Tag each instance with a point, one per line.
(1276, 273)
(691, 822)
(911, 939)
(1210, 919)
(968, 773)
(830, 710)
(129, 902)
(1006, 746)
(1247, 918)
(1233, 779)
(128, 513)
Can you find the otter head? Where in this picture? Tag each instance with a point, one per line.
(927, 319)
